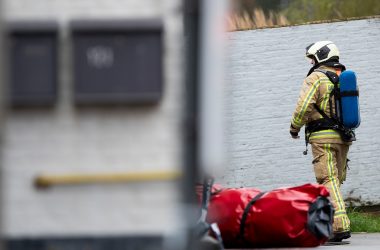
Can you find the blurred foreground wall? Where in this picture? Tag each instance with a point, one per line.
(66, 138)
(1, 71)
(1, 106)
(267, 68)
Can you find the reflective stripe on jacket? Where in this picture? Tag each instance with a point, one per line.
(316, 89)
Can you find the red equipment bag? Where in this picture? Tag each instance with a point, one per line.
(290, 217)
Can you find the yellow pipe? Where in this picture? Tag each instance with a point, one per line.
(44, 181)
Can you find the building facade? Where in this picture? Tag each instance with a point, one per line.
(65, 138)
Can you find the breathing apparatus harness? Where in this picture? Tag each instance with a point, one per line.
(335, 122)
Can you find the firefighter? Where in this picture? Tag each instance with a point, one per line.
(328, 147)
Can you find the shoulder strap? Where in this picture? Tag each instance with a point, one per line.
(333, 77)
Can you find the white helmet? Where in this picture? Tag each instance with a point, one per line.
(322, 51)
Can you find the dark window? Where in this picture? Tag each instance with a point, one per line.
(33, 63)
(117, 62)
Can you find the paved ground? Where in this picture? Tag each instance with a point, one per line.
(361, 241)
(358, 241)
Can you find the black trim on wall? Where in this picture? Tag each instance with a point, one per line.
(86, 243)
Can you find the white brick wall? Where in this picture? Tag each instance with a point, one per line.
(69, 140)
(266, 71)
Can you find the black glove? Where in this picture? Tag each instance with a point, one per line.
(294, 132)
(294, 135)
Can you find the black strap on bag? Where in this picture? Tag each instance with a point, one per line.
(245, 214)
(349, 93)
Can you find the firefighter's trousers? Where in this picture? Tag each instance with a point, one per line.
(330, 165)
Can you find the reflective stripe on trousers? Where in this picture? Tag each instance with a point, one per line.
(330, 161)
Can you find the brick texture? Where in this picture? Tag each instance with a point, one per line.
(266, 70)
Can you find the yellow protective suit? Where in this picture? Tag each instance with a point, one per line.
(329, 150)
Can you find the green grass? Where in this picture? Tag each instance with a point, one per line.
(364, 222)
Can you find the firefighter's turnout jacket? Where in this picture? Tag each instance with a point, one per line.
(329, 150)
(316, 89)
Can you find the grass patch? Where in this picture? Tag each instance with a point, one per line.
(364, 222)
